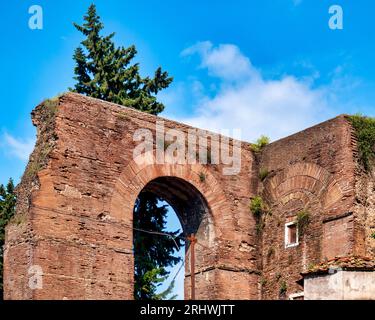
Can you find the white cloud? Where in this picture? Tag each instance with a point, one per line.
(276, 107)
(21, 149)
(225, 61)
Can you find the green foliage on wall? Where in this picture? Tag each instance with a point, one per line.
(260, 143)
(365, 131)
(302, 220)
(257, 206)
(263, 173)
(283, 287)
(202, 177)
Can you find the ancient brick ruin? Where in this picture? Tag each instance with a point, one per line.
(76, 199)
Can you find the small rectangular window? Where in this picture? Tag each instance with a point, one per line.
(291, 235)
(297, 296)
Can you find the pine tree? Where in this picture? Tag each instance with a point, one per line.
(7, 209)
(106, 72)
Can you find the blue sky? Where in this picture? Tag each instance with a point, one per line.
(306, 71)
(267, 67)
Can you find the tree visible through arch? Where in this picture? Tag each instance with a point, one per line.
(192, 211)
(150, 234)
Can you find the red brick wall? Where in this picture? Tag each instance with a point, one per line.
(75, 204)
(80, 215)
(337, 237)
(311, 171)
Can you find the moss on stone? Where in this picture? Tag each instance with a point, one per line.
(123, 115)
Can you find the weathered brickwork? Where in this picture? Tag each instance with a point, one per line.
(76, 199)
(313, 171)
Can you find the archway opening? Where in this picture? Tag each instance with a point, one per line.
(166, 212)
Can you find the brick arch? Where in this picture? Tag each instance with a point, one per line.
(135, 177)
(67, 197)
(306, 182)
